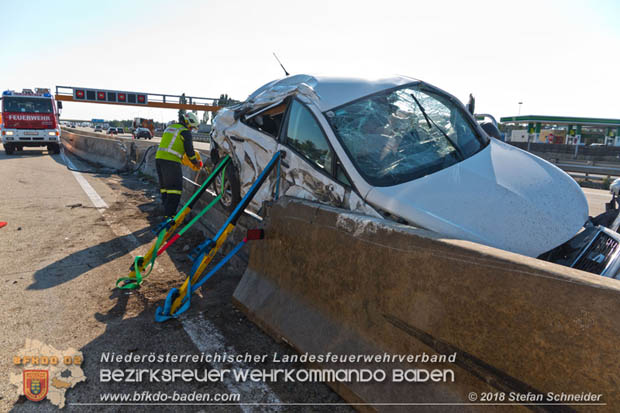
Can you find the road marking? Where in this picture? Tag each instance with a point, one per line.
(97, 201)
(205, 336)
(119, 229)
(209, 340)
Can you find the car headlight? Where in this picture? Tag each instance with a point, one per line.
(55, 133)
(8, 132)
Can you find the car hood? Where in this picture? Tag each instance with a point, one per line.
(502, 197)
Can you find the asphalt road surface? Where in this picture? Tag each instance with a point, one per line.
(597, 198)
(69, 237)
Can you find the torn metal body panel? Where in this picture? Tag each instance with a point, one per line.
(251, 151)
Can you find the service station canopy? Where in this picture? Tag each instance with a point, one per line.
(119, 97)
(563, 120)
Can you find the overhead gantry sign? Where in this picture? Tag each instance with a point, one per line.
(152, 100)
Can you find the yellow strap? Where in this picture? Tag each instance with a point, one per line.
(175, 191)
(205, 262)
(149, 255)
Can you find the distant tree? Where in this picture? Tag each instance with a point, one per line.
(225, 100)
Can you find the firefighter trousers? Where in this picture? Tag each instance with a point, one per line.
(170, 177)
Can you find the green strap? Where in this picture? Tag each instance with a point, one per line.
(200, 190)
(198, 216)
(130, 283)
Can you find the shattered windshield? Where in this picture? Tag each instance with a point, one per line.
(401, 135)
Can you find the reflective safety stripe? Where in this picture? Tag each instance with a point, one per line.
(175, 191)
(172, 151)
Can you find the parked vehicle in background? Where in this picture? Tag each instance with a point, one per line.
(120, 130)
(112, 131)
(30, 119)
(142, 133)
(98, 128)
(402, 149)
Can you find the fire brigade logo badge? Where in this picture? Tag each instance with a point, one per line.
(36, 384)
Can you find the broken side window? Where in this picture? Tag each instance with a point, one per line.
(267, 120)
(341, 175)
(304, 134)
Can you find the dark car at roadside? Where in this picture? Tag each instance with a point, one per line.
(142, 133)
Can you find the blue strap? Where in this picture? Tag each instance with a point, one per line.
(210, 243)
(163, 315)
(159, 313)
(164, 225)
(197, 262)
(197, 253)
(257, 183)
(278, 179)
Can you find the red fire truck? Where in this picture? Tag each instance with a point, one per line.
(30, 119)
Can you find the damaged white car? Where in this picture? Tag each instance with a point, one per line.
(405, 150)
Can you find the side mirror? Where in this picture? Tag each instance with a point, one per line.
(491, 130)
(471, 105)
(59, 103)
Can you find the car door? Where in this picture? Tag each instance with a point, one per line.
(310, 167)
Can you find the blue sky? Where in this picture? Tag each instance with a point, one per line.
(558, 58)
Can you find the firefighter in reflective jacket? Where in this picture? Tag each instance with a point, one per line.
(176, 140)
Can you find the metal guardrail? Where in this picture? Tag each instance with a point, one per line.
(579, 150)
(589, 168)
(599, 161)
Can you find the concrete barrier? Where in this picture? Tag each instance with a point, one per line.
(112, 153)
(326, 280)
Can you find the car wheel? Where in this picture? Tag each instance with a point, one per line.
(232, 194)
(9, 149)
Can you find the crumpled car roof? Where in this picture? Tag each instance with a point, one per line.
(326, 92)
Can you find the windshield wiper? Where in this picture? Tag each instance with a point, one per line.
(429, 120)
(421, 110)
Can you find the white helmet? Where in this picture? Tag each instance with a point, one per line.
(191, 120)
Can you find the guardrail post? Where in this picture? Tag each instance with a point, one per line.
(576, 149)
